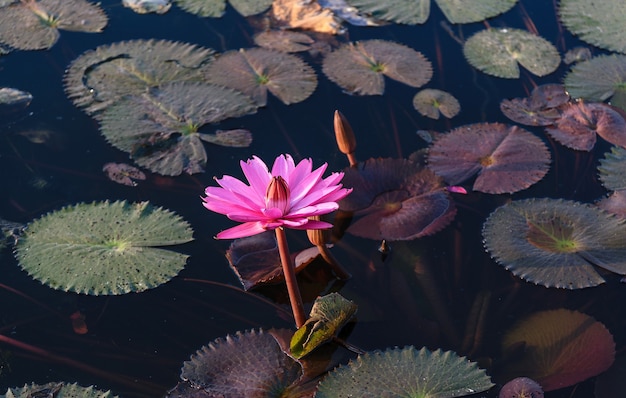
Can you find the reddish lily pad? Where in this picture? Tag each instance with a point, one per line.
(359, 67)
(539, 109)
(284, 40)
(256, 71)
(397, 199)
(506, 158)
(615, 203)
(556, 243)
(123, 173)
(580, 122)
(561, 348)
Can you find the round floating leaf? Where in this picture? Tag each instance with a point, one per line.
(600, 23)
(556, 243)
(250, 7)
(359, 67)
(104, 248)
(33, 25)
(579, 123)
(539, 109)
(397, 199)
(244, 365)
(521, 387)
(467, 11)
(432, 103)
(497, 52)
(329, 315)
(258, 70)
(405, 372)
(615, 203)
(597, 79)
(613, 169)
(100, 77)
(286, 41)
(56, 390)
(577, 54)
(160, 128)
(560, 348)
(123, 173)
(203, 8)
(410, 12)
(506, 158)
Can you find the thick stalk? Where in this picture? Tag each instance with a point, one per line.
(290, 278)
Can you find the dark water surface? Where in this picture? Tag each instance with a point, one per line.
(137, 342)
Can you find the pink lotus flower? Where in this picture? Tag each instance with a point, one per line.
(284, 197)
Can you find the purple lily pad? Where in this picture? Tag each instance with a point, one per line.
(123, 173)
(397, 199)
(539, 109)
(506, 158)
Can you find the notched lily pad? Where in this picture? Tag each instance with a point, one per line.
(358, 68)
(599, 79)
(506, 158)
(35, 24)
(539, 109)
(256, 71)
(613, 169)
(216, 8)
(160, 129)
(99, 78)
(104, 248)
(244, 365)
(498, 52)
(284, 40)
(329, 315)
(556, 243)
(432, 103)
(396, 199)
(412, 372)
(56, 390)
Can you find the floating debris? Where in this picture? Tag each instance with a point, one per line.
(148, 6)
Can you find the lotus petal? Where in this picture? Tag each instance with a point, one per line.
(405, 372)
(56, 389)
(561, 348)
(160, 128)
(286, 41)
(597, 79)
(506, 158)
(580, 122)
(257, 70)
(34, 24)
(600, 23)
(556, 243)
(359, 67)
(104, 248)
(432, 103)
(244, 365)
(100, 77)
(398, 199)
(497, 52)
(464, 11)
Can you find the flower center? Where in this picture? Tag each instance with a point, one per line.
(277, 195)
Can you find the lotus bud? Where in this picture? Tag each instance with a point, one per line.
(277, 195)
(521, 387)
(346, 141)
(318, 237)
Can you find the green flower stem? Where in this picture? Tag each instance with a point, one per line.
(290, 278)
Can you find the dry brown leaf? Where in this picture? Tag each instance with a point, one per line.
(297, 14)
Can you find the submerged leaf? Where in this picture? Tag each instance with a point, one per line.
(329, 315)
(34, 24)
(160, 128)
(122, 173)
(397, 199)
(506, 158)
(104, 248)
(432, 103)
(405, 372)
(600, 23)
(258, 70)
(100, 77)
(556, 243)
(497, 52)
(244, 365)
(359, 67)
(561, 348)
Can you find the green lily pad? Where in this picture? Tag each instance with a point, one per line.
(359, 67)
(598, 79)
(100, 77)
(216, 8)
(329, 315)
(256, 71)
(56, 390)
(556, 243)
(498, 52)
(405, 372)
(612, 169)
(104, 248)
(35, 25)
(432, 103)
(244, 365)
(600, 23)
(160, 128)
(466, 11)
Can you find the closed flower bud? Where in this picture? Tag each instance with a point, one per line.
(318, 237)
(346, 141)
(277, 195)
